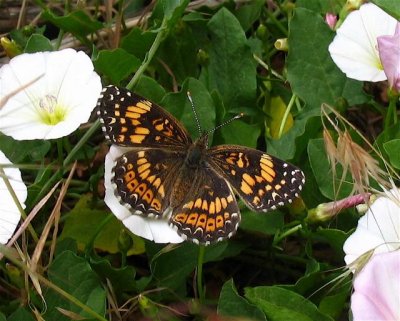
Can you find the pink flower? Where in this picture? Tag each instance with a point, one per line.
(389, 52)
(377, 289)
(331, 19)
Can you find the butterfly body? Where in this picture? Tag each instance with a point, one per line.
(167, 175)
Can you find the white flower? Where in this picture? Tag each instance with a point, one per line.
(355, 47)
(62, 92)
(377, 289)
(156, 230)
(9, 213)
(378, 229)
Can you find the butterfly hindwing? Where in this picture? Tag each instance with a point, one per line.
(261, 180)
(131, 120)
(144, 180)
(209, 213)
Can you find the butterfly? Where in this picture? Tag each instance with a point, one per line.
(167, 175)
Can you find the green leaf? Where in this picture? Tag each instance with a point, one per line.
(179, 105)
(179, 52)
(334, 237)
(280, 304)
(248, 13)
(21, 314)
(241, 133)
(122, 279)
(319, 6)
(286, 146)
(232, 68)
(116, 64)
(261, 222)
(24, 150)
(392, 148)
(82, 224)
(331, 187)
(171, 10)
(334, 305)
(78, 23)
(171, 268)
(312, 73)
(38, 43)
(231, 304)
(390, 6)
(75, 276)
(138, 42)
(150, 89)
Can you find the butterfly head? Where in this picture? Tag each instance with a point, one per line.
(195, 156)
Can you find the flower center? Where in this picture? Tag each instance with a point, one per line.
(51, 113)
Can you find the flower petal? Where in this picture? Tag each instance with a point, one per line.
(377, 289)
(155, 230)
(378, 229)
(354, 49)
(65, 76)
(9, 213)
(389, 52)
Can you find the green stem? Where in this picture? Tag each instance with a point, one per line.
(92, 129)
(287, 233)
(286, 115)
(200, 261)
(149, 55)
(277, 22)
(391, 115)
(60, 151)
(58, 174)
(100, 227)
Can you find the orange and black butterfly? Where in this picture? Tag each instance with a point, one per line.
(168, 175)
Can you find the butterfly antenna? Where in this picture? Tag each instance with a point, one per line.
(226, 123)
(194, 111)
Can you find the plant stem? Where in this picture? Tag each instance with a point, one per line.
(149, 55)
(58, 174)
(288, 232)
(60, 151)
(391, 114)
(286, 115)
(92, 129)
(200, 261)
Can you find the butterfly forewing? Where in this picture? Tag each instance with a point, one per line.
(261, 180)
(131, 120)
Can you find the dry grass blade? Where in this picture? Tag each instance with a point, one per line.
(351, 156)
(30, 217)
(33, 262)
(5, 98)
(71, 315)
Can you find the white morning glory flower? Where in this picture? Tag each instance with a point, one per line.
(355, 47)
(59, 91)
(377, 289)
(157, 230)
(9, 213)
(378, 230)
